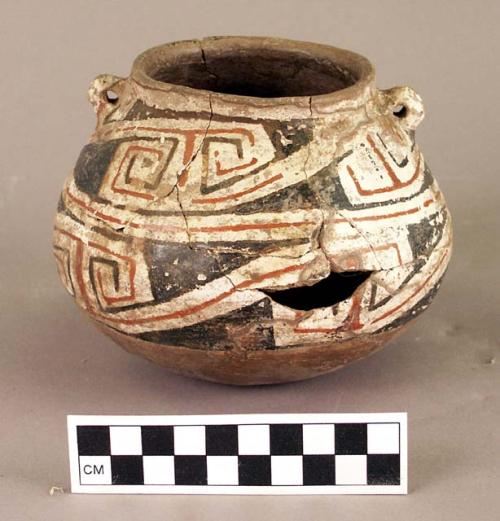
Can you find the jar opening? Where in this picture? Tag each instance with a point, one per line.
(259, 68)
(262, 73)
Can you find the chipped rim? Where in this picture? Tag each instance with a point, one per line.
(350, 97)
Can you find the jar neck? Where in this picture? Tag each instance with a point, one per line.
(173, 76)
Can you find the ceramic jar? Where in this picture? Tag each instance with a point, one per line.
(252, 210)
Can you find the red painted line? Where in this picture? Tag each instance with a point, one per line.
(250, 226)
(156, 227)
(132, 271)
(238, 194)
(350, 323)
(91, 210)
(133, 148)
(224, 171)
(385, 216)
(394, 178)
(396, 182)
(203, 305)
(414, 293)
(175, 314)
(207, 229)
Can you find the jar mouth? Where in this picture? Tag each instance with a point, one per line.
(254, 68)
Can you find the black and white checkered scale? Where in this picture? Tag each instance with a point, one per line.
(286, 454)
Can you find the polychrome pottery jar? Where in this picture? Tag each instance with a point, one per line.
(252, 210)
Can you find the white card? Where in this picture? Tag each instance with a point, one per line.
(239, 454)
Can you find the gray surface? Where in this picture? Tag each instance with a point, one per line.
(443, 371)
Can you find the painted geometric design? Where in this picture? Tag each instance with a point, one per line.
(370, 172)
(264, 454)
(175, 230)
(147, 168)
(140, 170)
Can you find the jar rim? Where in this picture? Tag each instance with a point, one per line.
(357, 69)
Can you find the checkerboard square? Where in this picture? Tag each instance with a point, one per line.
(350, 438)
(127, 470)
(158, 470)
(157, 440)
(383, 438)
(222, 470)
(190, 470)
(286, 470)
(222, 440)
(350, 470)
(319, 469)
(253, 440)
(383, 469)
(189, 440)
(125, 441)
(319, 439)
(95, 470)
(254, 470)
(93, 440)
(286, 439)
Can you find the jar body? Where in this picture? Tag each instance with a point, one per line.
(220, 246)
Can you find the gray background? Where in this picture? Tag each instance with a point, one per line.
(443, 371)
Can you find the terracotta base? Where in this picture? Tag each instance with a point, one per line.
(257, 367)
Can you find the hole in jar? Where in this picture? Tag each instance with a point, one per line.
(400, 111)
(263, 73)
(111, 97)
(327, 292)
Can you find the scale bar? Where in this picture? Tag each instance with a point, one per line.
(239, 454)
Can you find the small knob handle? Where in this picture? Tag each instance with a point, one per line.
(106, 90)
(405, 105)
